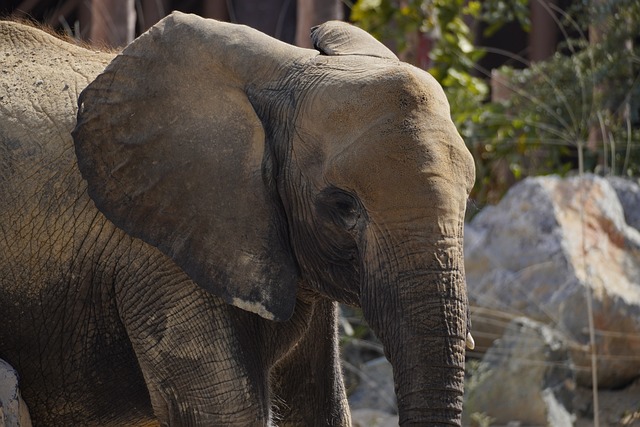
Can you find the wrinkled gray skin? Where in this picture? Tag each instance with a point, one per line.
(253, 184)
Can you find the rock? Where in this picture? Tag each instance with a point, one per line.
(487, 326)
(542, 250)
(527, 376)
(373, 418)
(376, 389)
(619, 407)
(628, 192)
(13, 410)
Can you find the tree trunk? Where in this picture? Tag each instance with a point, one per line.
(315, 12)
(216, 9)
(544, 30)
(151, 11)
(113, 22)
(276, 18)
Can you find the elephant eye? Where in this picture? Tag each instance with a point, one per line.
(340, 207)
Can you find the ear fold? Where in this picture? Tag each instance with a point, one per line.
(174, 154)
(340, 38)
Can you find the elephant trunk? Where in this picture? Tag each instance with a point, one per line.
(421, 318)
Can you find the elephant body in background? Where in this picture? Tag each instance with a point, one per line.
(181, 258)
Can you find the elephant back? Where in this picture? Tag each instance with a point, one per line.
(43, 196)
(41, 77)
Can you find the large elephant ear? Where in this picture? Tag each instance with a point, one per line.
(340, 38)
(174, 154)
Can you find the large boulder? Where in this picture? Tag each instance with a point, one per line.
(375, 388)
(373, 418)
(13, 410)
(628, 192)
(526, 376)
(547, 248)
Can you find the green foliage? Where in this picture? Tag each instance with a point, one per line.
(557, 109)
(497, 13)
(480, 419)
(391, 20)
(454, 57)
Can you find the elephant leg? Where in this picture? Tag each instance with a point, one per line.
(307, 382)
(192, 349)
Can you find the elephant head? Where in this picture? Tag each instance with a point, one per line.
(261, 168)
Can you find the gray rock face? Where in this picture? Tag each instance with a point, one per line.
(547, 247)
(373, 418)
(527, 376)
(13, 410)
(376, 389)
(628, 192)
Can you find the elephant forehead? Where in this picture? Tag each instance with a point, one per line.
(386, 130)
(383, 131)
(396, 105)
(423, 165)
(352, 94)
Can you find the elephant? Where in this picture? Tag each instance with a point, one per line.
(177, 251)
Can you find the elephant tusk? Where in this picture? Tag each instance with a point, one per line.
(471, 344)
